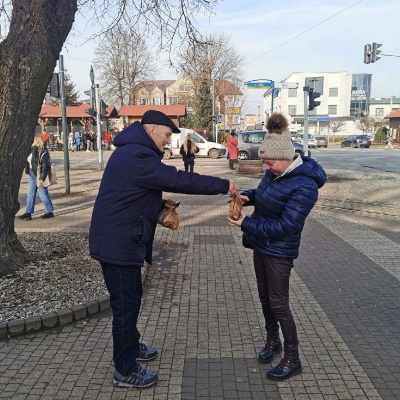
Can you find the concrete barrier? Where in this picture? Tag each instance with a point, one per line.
(250, 166)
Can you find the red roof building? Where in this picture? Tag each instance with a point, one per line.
(394, 124)
(51, 115)
(135, 113)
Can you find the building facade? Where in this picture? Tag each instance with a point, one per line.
(380, 107)
(343, 97)
(151, 92)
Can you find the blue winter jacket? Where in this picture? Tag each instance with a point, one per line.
(130, 198)
(281, 205)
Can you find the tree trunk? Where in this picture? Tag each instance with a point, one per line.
(38, 30)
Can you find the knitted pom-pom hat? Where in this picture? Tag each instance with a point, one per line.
(277, 144)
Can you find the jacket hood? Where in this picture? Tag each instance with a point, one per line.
(311, 169)
(135, 134)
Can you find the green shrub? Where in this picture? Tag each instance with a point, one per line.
(380, 135)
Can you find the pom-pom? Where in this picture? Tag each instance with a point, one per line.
(277, 123)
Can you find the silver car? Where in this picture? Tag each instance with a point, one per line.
(311, 140)
(249, 142)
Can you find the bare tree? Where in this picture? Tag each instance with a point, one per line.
(218, 59)
(337, 126)
(365, 124)
(33, 34)
(123, 60)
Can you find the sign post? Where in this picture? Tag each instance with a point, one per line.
(260, 84)
(286, 85)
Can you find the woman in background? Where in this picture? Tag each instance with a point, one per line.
(38, 162)
(187, 151)
(233, 151)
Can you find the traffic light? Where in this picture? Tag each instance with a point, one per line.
(375, 52)
(367, 54)
(103, 108)
(92, 97)
(54, 87)
(311, 99)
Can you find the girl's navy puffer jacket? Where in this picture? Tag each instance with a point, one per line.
(281, 206)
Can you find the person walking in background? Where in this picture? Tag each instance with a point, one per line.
(38, 167)
(88, 138)
(233, 151)
(77, 141)
(108, 140)
(71, 141)
(125, 217)
(93, 141)
(187, 151)
(45, 137)
(51, 141)
(83, 141)
(388, 142)
(282, 201)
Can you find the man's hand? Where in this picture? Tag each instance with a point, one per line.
(233, 188)
(237, 223)
(169, 203)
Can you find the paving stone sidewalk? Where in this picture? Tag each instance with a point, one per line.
(201, 310)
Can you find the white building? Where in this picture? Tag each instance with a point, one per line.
(380, 107)
(343, 97)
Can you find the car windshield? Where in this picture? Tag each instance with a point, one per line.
(320, 138)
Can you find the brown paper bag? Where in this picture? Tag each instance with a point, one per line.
(169, 218)
(235, 207)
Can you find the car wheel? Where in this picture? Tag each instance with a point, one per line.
(354, 146)
(243, 155)
(213, 153)
(167, 154)
(342, 145)
(326, 146)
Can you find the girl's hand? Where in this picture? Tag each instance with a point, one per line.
(244, 199)
(237, 223)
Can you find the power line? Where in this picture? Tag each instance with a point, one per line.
(302, 33)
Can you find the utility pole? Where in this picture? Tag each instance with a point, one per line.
(306, 90)
(64, 126)
(98, 120)
(214, 125)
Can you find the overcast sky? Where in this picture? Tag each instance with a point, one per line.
(259, 30)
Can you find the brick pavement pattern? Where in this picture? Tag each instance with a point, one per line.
(202, 311)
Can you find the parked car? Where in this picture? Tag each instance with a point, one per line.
(209, 149)
(321, 141)
(356, 141)
(311, 140)
(249, 142)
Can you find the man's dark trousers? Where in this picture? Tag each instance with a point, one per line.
(124, 283)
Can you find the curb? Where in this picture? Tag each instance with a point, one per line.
(58, 318)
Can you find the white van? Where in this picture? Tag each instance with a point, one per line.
(209, 149)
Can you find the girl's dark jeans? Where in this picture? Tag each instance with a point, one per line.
(189, 165)
(273, 275)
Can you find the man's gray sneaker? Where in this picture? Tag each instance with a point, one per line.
(140, 379)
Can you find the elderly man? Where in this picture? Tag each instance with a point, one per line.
(123, 225)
